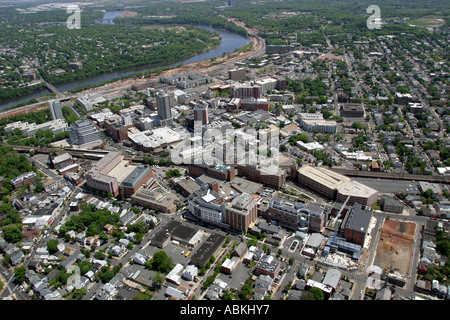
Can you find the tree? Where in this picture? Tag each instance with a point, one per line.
(317, 294)
(172, 173)
(99, 255)
(158, 279)
(227, 295)
(39, 187)
(52, 246)
(85, 266)
(12, 233)
(19, 273)
(428, 193)
(358, 126)
(78, 294)
(246, 290)
(107, 276)
(161, 262)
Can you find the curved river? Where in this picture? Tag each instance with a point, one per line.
(230, 42)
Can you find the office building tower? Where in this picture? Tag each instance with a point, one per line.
(201, 113)
(55, 109)
(164, 107)
(83, 133)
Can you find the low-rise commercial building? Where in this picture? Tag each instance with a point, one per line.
(268, 265)
(253, 104)
(211, 247)
(156, 140)
(219, 171)
(55, 126)
(352, 110)
(62, 161)
(315, 122)
(176, 231)
(156, 199)
(207, 205)
(89, 101)
(388, 204)
(23, 179)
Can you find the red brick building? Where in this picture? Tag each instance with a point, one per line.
(217, 171)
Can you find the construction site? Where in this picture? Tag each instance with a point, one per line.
(395, 246)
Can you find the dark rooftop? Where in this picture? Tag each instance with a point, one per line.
(136, 175)
(207, 249)
(358, 218)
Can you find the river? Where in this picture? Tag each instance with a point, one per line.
(230, 42)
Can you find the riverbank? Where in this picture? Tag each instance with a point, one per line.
(199, 66)
(229, 43)
(203, 65)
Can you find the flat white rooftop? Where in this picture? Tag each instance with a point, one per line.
(337, 181)
(156, 137)
(122, 170)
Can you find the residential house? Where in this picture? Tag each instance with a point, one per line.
(190, 273)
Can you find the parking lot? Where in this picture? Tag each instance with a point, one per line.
(389, 185)
(178, 252)
(238, 277)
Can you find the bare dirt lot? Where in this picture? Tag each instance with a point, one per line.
(395, 246)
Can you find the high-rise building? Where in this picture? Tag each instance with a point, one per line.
(126, 120)
(201, 113)
(164, 107)
(55, 109)
(83, 133)
(241, 212)
(237, 74)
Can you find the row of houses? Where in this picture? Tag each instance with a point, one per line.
(430, 258)
(41, 288)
